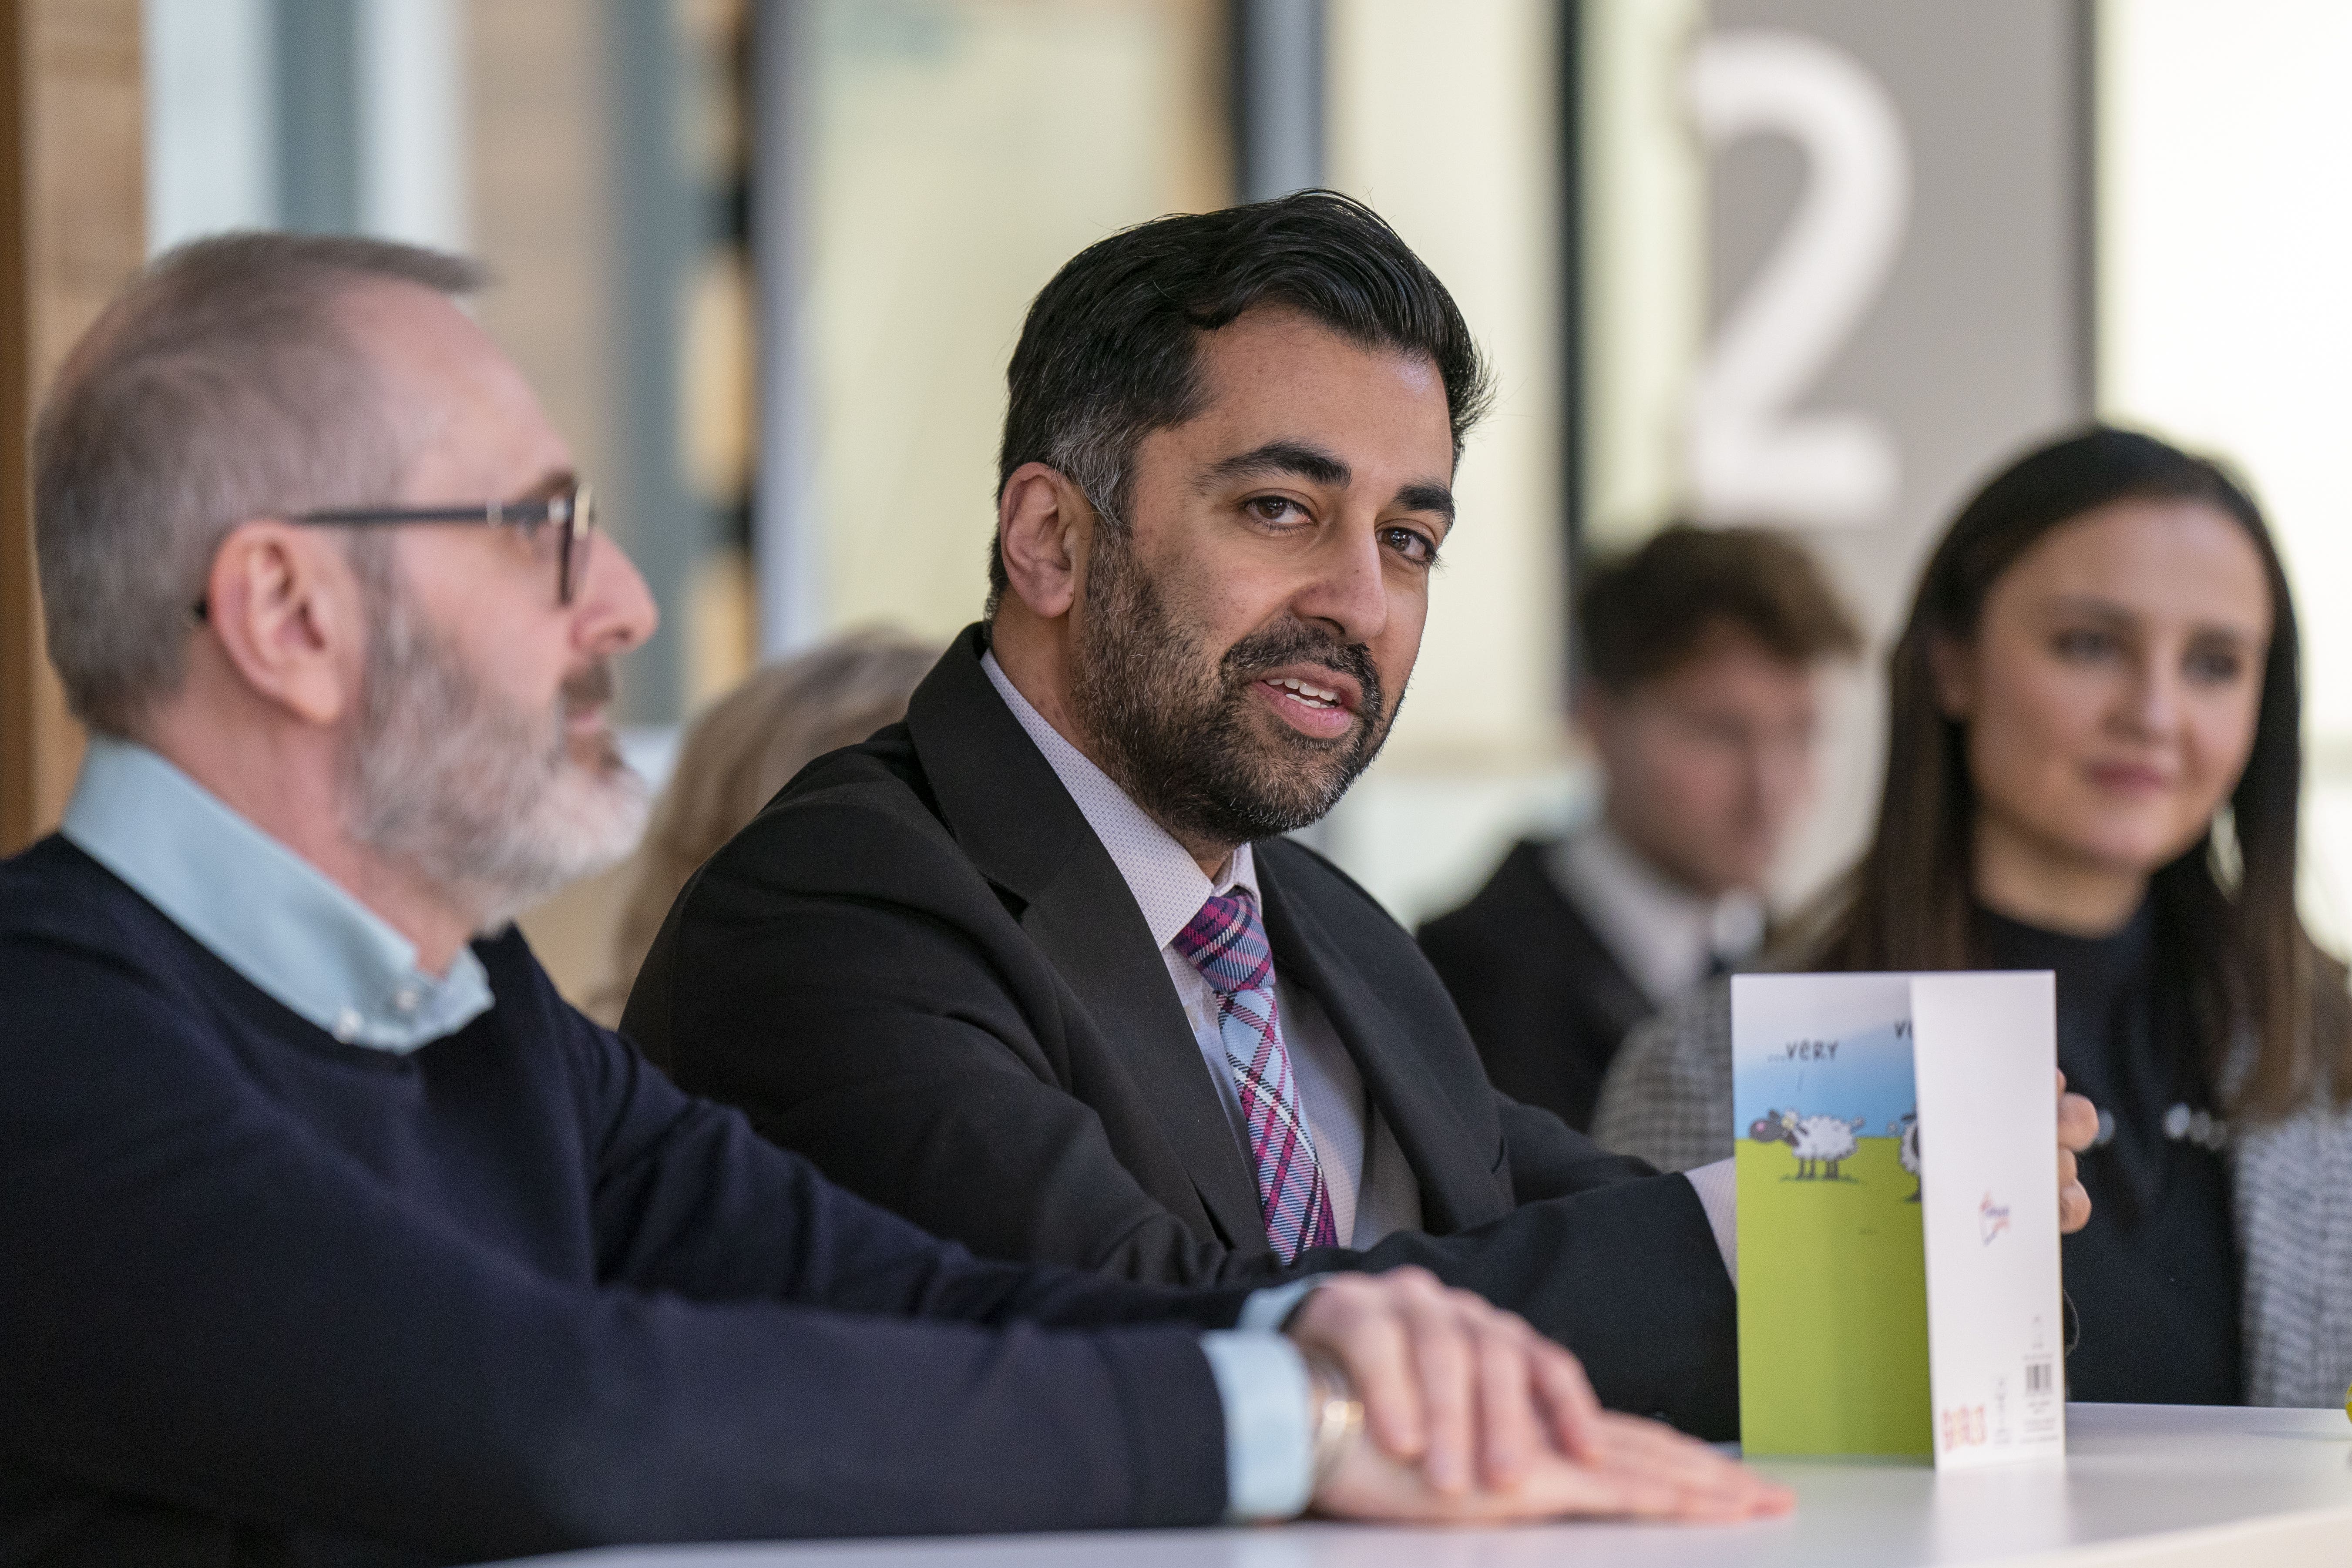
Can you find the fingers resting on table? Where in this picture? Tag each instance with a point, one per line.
(1470, 1413)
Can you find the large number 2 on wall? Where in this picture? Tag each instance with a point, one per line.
(1753, 457)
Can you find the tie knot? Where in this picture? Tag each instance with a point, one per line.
(1226, 944)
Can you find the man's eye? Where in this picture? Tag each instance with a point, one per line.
(1413, 545)
(1274, 509)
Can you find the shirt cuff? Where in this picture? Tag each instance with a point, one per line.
(1718, 1193)
(1271, 1308)
(1269, 1450)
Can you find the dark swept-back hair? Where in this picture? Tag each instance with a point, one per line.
(1110, 351)
(2225, 910)
(1643, 614)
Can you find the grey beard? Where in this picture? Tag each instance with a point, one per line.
(483, 800)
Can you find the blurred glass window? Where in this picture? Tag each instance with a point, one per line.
(960, 152)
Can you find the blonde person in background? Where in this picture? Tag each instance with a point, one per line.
(2095, 768)
(741, 751)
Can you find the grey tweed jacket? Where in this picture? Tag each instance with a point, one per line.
(1668, 1100)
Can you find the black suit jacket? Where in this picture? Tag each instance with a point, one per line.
(1543, 996)
(920, 968)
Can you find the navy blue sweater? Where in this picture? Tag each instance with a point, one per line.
(268, 1298)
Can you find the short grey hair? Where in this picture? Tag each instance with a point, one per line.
(220, 386)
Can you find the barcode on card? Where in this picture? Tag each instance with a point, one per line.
(2038, 1376)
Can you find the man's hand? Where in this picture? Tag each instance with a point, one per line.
(1645, 1471)
(2078, 1129)
(1470, 1413)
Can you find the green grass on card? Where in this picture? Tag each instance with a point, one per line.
(1833, 1306)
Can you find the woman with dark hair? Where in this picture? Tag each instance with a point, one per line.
(2095, 768)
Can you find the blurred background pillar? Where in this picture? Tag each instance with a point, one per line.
(1278, 97)
(71, 232)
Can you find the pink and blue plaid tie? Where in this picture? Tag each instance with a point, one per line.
(1226, 942)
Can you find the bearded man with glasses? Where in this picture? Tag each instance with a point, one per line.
(332, 1235)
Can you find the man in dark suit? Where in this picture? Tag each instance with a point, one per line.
(968, 968)
(1702, 653)
(1039, 969)
(333, 1235)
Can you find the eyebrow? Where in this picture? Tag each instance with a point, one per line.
(1312, 464)
(2111, 611)
(1318, 467)
(1426, 497)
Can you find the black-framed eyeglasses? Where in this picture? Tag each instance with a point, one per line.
(570, 507)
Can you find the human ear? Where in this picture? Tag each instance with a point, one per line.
(1951, 666)
(285, 608)
(1044, 524)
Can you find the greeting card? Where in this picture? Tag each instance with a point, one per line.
(1896, 1171)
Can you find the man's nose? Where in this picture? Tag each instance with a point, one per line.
(613, 611)
(1349, 591)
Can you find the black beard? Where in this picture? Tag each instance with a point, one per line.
(1182, 736)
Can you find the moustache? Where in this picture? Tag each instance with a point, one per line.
(591, 688)
(1296, 642)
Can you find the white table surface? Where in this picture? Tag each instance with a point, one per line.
(2142, 1484)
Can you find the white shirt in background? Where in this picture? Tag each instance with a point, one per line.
(1666, 937)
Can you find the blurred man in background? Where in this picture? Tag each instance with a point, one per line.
(1702, 653)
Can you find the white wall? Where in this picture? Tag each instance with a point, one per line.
(2226, 308)
(212, 126)
(412, 111)
(211, 119)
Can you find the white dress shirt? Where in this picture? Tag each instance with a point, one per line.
(1373, 1191)
(1666, 938)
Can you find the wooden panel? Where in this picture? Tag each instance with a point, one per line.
(72, 231)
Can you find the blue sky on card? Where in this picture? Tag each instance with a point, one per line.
(1864, 1073)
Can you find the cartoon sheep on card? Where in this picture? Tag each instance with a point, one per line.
(1818, 1142)
(1907, 1128)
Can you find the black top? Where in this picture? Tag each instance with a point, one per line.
(920, 968)
(1547, 1002)
(267, 1298)
(2154, 1275)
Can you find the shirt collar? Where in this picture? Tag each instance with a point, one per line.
(1665, 935)
(1162, 873)
(261, 909)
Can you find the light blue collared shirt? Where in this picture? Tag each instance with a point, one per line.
(283, 925)
(261, 909)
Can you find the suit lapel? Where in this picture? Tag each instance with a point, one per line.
(1613, 991)
(1009, 814)
(1457, 1186)
(1098, 943)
